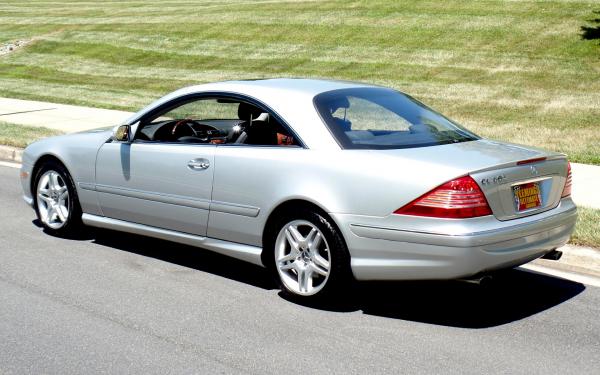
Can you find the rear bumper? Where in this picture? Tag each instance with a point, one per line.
(426, 248)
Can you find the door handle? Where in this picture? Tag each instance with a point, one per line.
(198, 164)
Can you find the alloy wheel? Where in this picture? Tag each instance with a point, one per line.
(302, 257)
(53, 200)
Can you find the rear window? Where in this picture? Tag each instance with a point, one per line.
(381, 118)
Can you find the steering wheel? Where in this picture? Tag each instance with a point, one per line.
(188, 122)
(201, 131)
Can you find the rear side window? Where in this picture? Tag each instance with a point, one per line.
(381, 118)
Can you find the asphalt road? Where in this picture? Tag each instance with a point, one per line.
(117, 303)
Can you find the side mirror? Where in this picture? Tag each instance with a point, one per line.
(121, 133)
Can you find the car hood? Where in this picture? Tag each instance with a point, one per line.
(64, 146)
(104, 129)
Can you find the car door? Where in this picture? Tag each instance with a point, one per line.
(250, 175)
(247, 182)
(162, 185)
(161, 182)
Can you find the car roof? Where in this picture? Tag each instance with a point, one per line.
(266, 90)
(304, 86)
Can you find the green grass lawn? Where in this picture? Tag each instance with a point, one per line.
(519, 71)
(587, 230)
(21, 136)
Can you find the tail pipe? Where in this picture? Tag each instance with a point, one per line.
(553, 255)
(483, 280)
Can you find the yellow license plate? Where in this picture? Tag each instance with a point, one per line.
(527, 196)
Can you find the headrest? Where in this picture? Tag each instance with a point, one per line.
(264, 117)
(247, 111)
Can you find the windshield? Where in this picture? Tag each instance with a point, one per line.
(381, 118)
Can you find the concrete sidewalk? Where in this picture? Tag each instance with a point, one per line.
(63, 117)
(586, 185)
(70, 118)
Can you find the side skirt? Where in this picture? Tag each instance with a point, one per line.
(239, 251)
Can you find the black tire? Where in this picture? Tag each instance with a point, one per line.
(73, 225)
(340, 278)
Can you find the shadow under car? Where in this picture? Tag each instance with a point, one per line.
(512, 295)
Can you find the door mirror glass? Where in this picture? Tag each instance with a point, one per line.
(121, 133)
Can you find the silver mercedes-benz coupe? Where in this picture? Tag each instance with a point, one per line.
(320, 181)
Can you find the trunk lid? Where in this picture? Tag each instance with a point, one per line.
(496, 169)
(523, 190)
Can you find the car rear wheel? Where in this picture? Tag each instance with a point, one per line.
(310, 256)
(56, 203)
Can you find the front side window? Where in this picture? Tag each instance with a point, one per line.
(215, 121)
(381, 118)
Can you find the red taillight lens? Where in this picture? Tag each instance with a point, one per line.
(567, 189)
(456, 199)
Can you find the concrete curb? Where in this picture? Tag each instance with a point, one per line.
(578, 259)
(12, 154)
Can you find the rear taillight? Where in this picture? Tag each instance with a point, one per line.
(457, 199)
(567, 189)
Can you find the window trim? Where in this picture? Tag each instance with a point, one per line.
(188, 98)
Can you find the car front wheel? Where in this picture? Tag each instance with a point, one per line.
(56, 202)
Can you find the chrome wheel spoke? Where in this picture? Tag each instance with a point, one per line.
(63, 196)
(287, 266)
(321, 262)
(60, 214)
(53, 181)
(46, 199)
(305, 279)
(314, 240)
(289, 257)
(43, 214)
(50, 214)
(318, 269)
(295, 234)
(292, 240)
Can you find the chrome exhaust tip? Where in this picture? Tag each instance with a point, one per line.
(479, 280)
(553, 255)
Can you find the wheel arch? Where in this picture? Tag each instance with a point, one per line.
(287, 206)
(40, 162)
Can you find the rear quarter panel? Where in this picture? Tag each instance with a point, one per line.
(339, 181)
(369, 183)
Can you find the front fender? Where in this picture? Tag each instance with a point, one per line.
(77, 152)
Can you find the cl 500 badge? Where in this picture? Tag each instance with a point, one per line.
(495, 180)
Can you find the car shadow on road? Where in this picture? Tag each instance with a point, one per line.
(186, 256)
(512, 295)
(182, 255)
